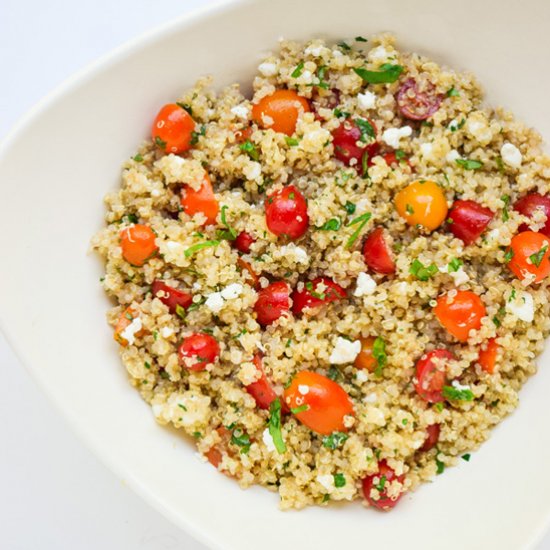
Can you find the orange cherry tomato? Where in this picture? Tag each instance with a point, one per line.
(422, 203)
(138, 244)
(531, 256)
(124, 321)
(202, 201)
(318, 402)
(280, 110)
(172, 129)
(364, 359)
(249, 273)
(488, 355)
(461, 314)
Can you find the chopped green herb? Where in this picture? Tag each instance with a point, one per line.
(335, 440)
(183, 407)
(500, 164)
(454, 265)
(453, 92)
(239, 334)
(366, 129)
(288, 343)
(298, 70)
(275, 426)
(409, 209)
(365, 165)
(338, 113)
(160, 143)
(440, 465)
(466, 457)
(331, 225)
(180, 312)
(334, 373)
(350, 207)
(300, 409)
(422, 272)
(404, 421)
(250, 149)
(199, 246)
(155, 335)
(292, 142)
(196, 135)
(339, 480)
(469, 164)
(196, 305)
(454, 126)
(537, 258)
(185, 107)
(506, 200)
(344, 46)
(228, 234)
(360, 39)
(291, 196)
(147, 365)
(439, 406)
(138, 158)
(512, 295)
(326, 498)
(345, 176)
(379, 353)
(360, 221)
(240, 438)
(381, 484)
(509, 255)
(457, 394)
(321, 72)
(387, 74)
(198, 435)
(400, 154)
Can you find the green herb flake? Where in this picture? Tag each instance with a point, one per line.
(196, 135)
(360, 221)
(147, 365)
(228, 234)
(137, 158)
(387, 74)
(536, 259)
(365, 165)
(180, 311)
(506, 200)
(241, 439)
(339, 480)
(454, 265)
(400, 154)
(250, 149)
(422, 272)
(292, 142)
(439, 406)
(344, 46)
(509, 255)
(331, 225)
(350, 207)
(409, 209)
(183, 407)
(338, 113)
(185, 107)
(457, 394)
(440, 466)
(360, 39)
(335, 440)
(334, 373)
(160, 143)
(300, 409)
(469, 164)
(321, 72)
(381, 484)
(466, 457)
(379, 353)
(366, 129)
(453, 92)
(199, 246)
(298, 70)
(326, 498)
(404, 421)
(275, 426)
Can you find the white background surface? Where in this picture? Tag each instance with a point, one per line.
(54, 494)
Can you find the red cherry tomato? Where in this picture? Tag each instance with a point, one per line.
(345, 139)
(318, 402)
(529, 204)
(312, 296)
(488, 355)
(203, 201)
(273, 301)
(432, 437)
(380, 481)
(286, 213)
(377, 254)
(531, 256)
(262, 390)
(138, 244)
(243, 242)
(468, 220)
(172, 129)
(198, 350)
(431, 376)
(391, 160)
(171, 296)
(461, 314)
(417, 103)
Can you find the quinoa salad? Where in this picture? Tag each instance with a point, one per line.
(337, 285)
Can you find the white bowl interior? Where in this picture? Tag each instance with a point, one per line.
(59, 163)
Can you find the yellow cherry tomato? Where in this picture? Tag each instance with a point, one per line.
(422, 203)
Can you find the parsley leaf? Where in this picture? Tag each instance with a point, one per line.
(381, 484)
(453, 92)
(469, 164)
(334, 440)
(509, 255)
(180, 311)
(301, 408)
(350, 207)
(250, 149)
(228, 234)
(196, 135)
(379, 353)
(454, 265)
(240, 438)
(331, 225)
(339, 480)
(506, 200)
(422, 272)
(387, 74)
(366, 129)
(466, 457)
(160, 143)
(537, 258)
(292, 142)
(137, 158)
(361, 221)
(360, 39)
(344, 46)
(338, 113)
(298, 70)
(455, 394)
(440, 465)
(275, 426)
(199, 246)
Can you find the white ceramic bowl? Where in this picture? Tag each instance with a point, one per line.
(61, 160)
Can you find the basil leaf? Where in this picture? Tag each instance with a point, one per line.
(386, 75)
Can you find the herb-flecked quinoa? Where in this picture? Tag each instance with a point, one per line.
(353, 347)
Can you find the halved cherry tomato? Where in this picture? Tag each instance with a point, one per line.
(325, 403)
(529, 204)
(170, 296)
(432, 437)
(468, 220)
(460, 314)
(124, 321)
(198, 350)
(417, 103)
(391, 159)
(422, 203)
(345, 139)
(242, 135)
(138, 244)
(243, 242)
(172, 129)
(215, 453)
(488, 355)
(286, 213)
(214, 456)
(531, 257)
(261, 390)
(431, 376)
(377, 254)
(312, 295)
(273, 301)
(280, 111)
(365, 359)
(202, 201)
(250, 274)
(380, 481)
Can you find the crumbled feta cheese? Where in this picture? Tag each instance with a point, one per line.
(453, 125)
(166, 332)
(362, 206)
(391, 136)
(240, 110)
(365, 285)
(214, 302)
(378, 54)
(173, 246)
(232, 291)
(460, 276)
(458, 386)
(268, 441)
(362, 376)
(366, 100)
(326, 480)
(315, 50)
(306, 77)
(344, 351)
(522, 306)
(129, 333)
(296, 252)
(426, 149)
(268, 69)
(452, 156)
(303, 389)
(511, 155)
(371, 398)
(252, 170)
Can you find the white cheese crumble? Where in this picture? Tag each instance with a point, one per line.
(522, 306)
(214, 302)
(365, 285)
(378, 54)
(511, 155)
(129, 333)
(391, 136)
(240, 111)
(267, 68)
(371, 398)
(232, 291)
(426, 149)
(296, 252)
(268, 441)
(458, 386)
(252, 171)
(326, 480)
(460, 276)
(315, 51)
(344, 351)
(362, 376)
(166, 332)
(452, 156)
(366, 100)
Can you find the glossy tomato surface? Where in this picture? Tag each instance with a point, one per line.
(273, 301)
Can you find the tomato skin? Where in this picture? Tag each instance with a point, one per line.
(305, 298)
(202, 201)
(384, 503)
(253, 279)
(138, 244)
(173, 126)
(524, 245)
(243, 242)
(283, 107)
(432, 437)
(462, 314)
(124, 321)
(365, 359)
(262, 391)
(327, 402)
(377, 254)
(416, 103)
(198, 350)
(243, 135)
(344, 140)
(273, 302)
(469, 220)
(170, 296)
(422, 203)
(529, 204)
(488, 357)
(286, 213)
(430, 378)
(391, 160)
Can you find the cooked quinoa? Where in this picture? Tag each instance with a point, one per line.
(470, 151)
